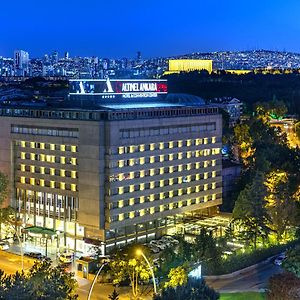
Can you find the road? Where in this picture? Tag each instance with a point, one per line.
(10, 263)
(254, 280)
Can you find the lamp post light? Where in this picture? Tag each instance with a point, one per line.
(94, 281)
(139, 252)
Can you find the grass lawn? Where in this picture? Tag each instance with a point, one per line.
(243, 296)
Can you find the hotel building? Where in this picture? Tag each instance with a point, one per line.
(117, 163)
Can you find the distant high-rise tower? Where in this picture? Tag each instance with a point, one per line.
(67, 55)
(139, 56)
(54, 57)
(21, 63)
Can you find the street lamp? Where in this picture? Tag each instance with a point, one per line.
(139, 252)
(94, 281)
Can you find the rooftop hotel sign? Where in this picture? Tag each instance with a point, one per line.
(116, 88)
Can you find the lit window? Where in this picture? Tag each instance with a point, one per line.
(62, 147)
(161, 158)
(32, 156)
(142, 199)
(205, 198)
(131, 162)
(189, 154)
(189, 167)
(152, 185)
(171, 181)
(131, 188)
(32, 169)
(62, 173)
(23, 168)
(73, 187)
(142, 186)
(52, 184)
(152, 159)
(121, 217)
(171, 156)
(52, 146)
(23, 144)
(161, 208)
(42, 170)
(188, 142)
(179, 144)
(205, 187)
(213, 162)
(213, 174)
(121, 190)
(205, 141)
(180, 204)
(179, 192)
(161, 183)
(170, 194)
(197, 165)
(213, 140)
(152, 210)
(213, 197)
(22, 179)
(161, 196)
(179, 155)
(198, 177)
(23, 155)
(62, 185)
(120, 203)
(180, 167)
(142, 173)
(152, 146)
(73, 174)
(73, 148)
(152, 172)
(142, 212)
(73, 161)
(179, 180)
(131, 149)
(121, 150)
(142, 160)
(142, 148)
(171, 169)
(131, 175)
(62, 160)
(121, 163)
(42, 146)
(205, 175)
(151, 197)
(52, 171)
(188, 190)
(171, 145)
(213, 185)
(131, 214)
(131, 201)
(32, 144)
(161, 146)
(32, 181)
(42, 182)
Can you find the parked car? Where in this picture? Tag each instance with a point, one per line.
(154, 249)
(35, 255)
(279, 259)
(169, 239)
(4, 245)
(66, 257)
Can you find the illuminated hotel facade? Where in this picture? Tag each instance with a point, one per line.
(127, 169)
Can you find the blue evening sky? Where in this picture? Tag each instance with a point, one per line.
(119, 28)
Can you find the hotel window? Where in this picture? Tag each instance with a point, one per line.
(142, 173)
(32, 181)
(142, 199)
(188, 190)
(213, 174)
(171, 156)
(131, 201)
(152, 172)
(171, 169)
(73, 148)
(213, 197)
(179, 155)
(121, 190)
(161, 171)
(180, 168)
(205, 187)
(161, 158)
(205, 198)
(179, 192)
(188, 143)
(198, 177)
(22, 179)
(52, 146)
(213, 140)
(52, 184)
(161, 183)
(142, 212)
(205, 176)
(161, 208)
(32, 169)
(171, 181)
(73, 187)
(121, 217)
(216, 151)
(171, 194)
(213, 162)
(152, 159)
(23, 144)
(32, 144)
(189, 154)
(120, 203)
(42, 182)
(42, 146)
(131, 214)
(197, 188)
(121, 163)
(171, 145)
(152, 184)
(62, 185)
(213, 185)
(152, 146)
(189, 167)
(161, 146)
(131, 188)
(62, 147)
(179, 144)
(73, 161)
(73, 174)
(152, 210)
(142, 160)
(171, 206)
(32, 156)
(121, 150)
(62, 160)
(205, 164)
(142, 148)
(23, 168)
(52, 171)
(50, 158)
(62, 173)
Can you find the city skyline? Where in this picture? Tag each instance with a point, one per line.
(153, 28)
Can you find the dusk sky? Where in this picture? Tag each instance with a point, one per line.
(118, 28)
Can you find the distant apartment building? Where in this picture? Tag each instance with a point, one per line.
(21, 63)
(188, 65)
(121, 161)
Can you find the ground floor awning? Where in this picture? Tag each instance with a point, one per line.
(38, 230)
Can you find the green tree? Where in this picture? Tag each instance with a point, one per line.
(126, 265)
(194, 289)
(177, 276)
(292, 261)
(41, 282)
(250, 212)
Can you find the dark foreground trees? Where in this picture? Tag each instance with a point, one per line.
(41, 282)
(194, 289)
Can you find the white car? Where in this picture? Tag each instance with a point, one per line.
(4, 246)
(169, 239)
(66, 257)
(279, 259)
